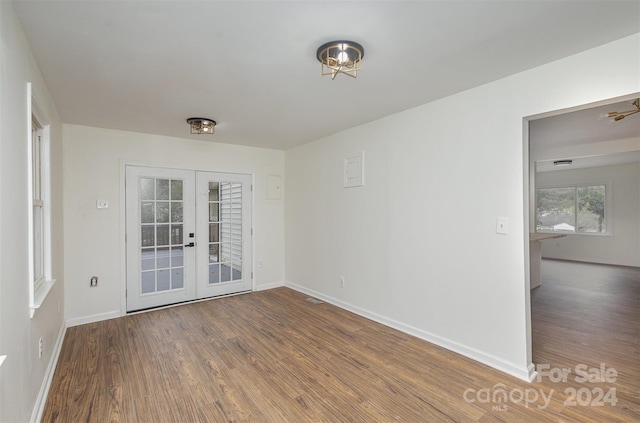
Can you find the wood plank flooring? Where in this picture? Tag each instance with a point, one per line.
(271, 356)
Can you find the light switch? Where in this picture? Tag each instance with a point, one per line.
(102, 204)
(503, 226)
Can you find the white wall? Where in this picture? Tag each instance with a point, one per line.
(23, 373)
(623, 246)
(94, 242)
(417, 243)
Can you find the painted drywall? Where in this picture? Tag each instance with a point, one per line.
(23, 374)
(94, 238)
(417, 244)
(622, 246)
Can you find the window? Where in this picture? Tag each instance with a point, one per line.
(37, 205)
(577, 209)
(39, 208)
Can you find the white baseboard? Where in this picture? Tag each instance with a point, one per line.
(265, 286)
(76, 321)
(533, 374)
(527, 374)
(38, 407)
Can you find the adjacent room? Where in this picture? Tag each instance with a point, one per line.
(585, 218)
(319, 210)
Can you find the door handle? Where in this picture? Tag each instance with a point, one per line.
(191, 244)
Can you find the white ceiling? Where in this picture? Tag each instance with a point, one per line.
(591, 161)
(583, 127)
(146, 66)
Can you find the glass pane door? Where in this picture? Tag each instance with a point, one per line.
(188, 235)
(162, 234)
(223, 266)
(160, 210)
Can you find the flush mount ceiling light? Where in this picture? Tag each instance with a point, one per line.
(616, 116)
(201, 125)
(340, 56)
(565, 162)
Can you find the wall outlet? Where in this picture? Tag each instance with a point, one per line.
(93, 281)
(40, 347)
(341, 280)
(502, 225)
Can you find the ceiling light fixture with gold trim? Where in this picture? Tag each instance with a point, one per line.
(616, 116)
(201, 125)
(340, 56)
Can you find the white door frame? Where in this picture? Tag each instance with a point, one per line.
(122, 219)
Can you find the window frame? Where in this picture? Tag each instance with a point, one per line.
(39, 196)
(608, 221)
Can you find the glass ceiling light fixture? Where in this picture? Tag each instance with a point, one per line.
(616, 116)
(201, 125)
(340, 56)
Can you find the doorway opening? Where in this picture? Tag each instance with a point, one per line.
(591, 233)
(188, 235)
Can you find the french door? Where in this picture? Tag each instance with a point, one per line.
(188, 235)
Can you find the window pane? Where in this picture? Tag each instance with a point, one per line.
(555, 209)
(176, 212)
(236, 271)
(146, 212)
(148, 236)
(163, 258)
(37, 243)
(148, 259)
(148, 282)
(176, 234)
(177, 255)
(177, 278)
(591, 213)
(147, 189)
(213, 191)
(213, 253)
(162, 212)
(225, 273)
(214, 273)
(214, 212)
(176, 190)
(162, 233)
(164, 280)
(214, 232)
(225, 192)
(162, 189)
(37, 166)
(236, 251)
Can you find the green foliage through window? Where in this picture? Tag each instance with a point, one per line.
(579, 209)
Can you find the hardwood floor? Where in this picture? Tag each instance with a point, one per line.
(271, 356)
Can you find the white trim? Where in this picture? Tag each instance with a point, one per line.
(523, 373)
(38, 290)
(40, 294)
(533, 374)
(271, 285)
(38, 408)
(124, 163)
(30, 198)
(77, 321)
